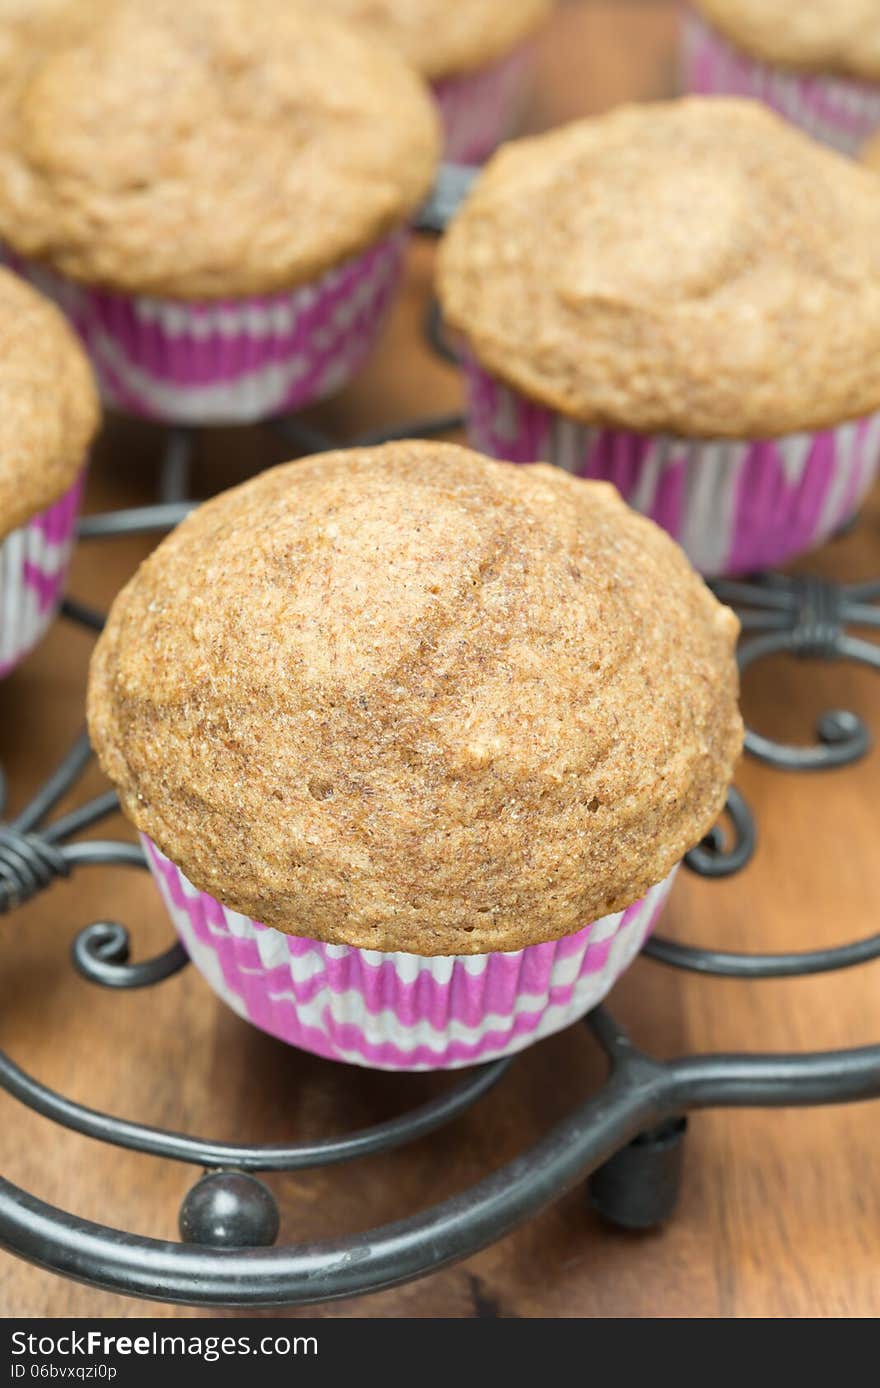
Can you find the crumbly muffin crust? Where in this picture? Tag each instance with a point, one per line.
(48, 404)
(442, 39)
(208, 149)
(406, 698)
(814, 35)
(697, 266)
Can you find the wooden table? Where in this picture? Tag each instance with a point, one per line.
(780, 1211)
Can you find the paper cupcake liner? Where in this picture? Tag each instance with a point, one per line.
(234, 360)
(400, 1011)
(481, 109)
(733, 506)
(839, 111)
(33, 570)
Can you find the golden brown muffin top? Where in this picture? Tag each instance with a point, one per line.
(443, 39)
(48, 404)
(406, 698)
(698, 267)
(205, 149)
(815, 35)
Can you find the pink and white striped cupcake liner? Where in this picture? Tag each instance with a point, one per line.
(230, 361)
(480, 109)
(734, 507)
(401, 1011)
(839, 111)
(33, 570)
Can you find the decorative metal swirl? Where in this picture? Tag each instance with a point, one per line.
(809, 618)
(33, 854)
(625, 1137)
(229, 1220)
(625, 1140)
(101, 954)
(725, 964)
(27, 865)
(721, 855)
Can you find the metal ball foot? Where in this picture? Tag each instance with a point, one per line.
(638, 1187)
(228, 1209)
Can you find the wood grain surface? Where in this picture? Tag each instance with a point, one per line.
(780, 1211)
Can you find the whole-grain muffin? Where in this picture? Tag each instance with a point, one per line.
(48, 417)
(208, 150)
(688, 271)
(818, 35)
(477, 55)
(48, 404)
(410, 699)
(817, 63)
(694, 266)
(217, 193)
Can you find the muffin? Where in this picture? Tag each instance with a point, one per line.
(216, 192)
(817, 62)
(416, 741)
(682, 299)
(48, 417)
(475, 53)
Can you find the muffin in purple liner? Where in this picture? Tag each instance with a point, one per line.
(401, 1011)
(48, 417)
(476, 54)
(682, 299)
(216, 193)
(816, 62)
(427, 740)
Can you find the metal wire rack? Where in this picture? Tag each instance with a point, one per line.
(624, 1140)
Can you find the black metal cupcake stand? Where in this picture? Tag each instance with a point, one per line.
(624, 1141)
